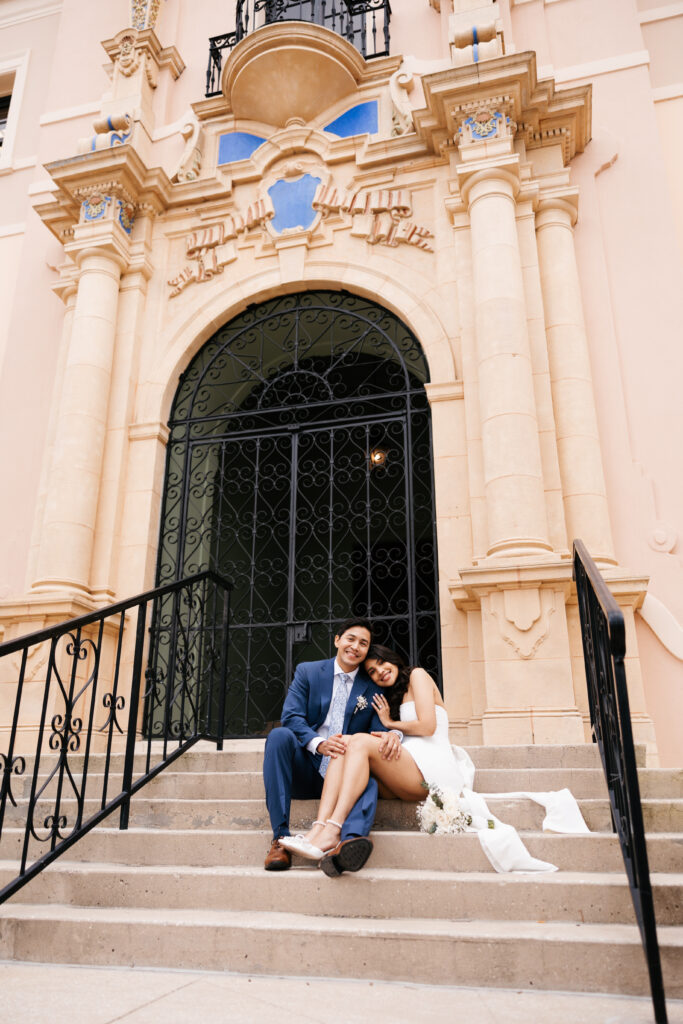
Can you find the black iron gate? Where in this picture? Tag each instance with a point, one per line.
(299, 465)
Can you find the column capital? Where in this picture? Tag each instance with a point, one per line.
(559, 207)
(489, 177)
(104, 246)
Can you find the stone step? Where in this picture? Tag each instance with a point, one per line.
(205, 848)
(247, 755)
(584, 783)
(511, 954)
(524, 814)
(375, 892)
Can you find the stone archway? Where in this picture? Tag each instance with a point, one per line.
(299, 465)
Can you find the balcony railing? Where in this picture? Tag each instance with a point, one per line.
(364, 23)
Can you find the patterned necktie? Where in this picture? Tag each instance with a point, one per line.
(337, 712)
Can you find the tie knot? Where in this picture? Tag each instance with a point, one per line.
(345, 679)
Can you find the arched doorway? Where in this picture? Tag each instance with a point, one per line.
(299, 466)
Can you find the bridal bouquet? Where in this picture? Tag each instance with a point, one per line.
(441, 814)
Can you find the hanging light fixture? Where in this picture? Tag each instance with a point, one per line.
(378, 457)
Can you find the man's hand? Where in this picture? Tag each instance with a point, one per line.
(333, 746)
(390, 745)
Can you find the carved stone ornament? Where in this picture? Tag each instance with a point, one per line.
(144, 13)
(483, 121)
(523, 618)
(380, 216)
(191, 160)
(129, 57)
(400, 84)
(131, 54)
(109, 132)
(211, 248)
(107, 201)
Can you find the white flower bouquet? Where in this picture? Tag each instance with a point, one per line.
(441, 813)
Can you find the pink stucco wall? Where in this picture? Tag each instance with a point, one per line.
(628, 245)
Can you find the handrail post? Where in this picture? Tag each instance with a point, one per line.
(225, 619)
(133, 714)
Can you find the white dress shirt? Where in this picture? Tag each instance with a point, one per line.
(324, 729)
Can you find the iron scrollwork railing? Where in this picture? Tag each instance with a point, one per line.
(604, 648)
(86, 680)
(364, 23)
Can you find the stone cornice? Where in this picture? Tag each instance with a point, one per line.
(542, 115)
(479, 581)
(119, 171)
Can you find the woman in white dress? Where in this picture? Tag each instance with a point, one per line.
(412, 703)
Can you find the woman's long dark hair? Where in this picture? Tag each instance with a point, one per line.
(394, 694)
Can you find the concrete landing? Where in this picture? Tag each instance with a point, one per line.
(35, 993)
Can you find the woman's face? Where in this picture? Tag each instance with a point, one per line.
(382, 673)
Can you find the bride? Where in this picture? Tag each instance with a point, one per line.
(412, 703)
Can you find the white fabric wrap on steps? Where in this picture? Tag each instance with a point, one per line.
(450, 767)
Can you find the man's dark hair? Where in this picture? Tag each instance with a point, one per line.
(350, 623)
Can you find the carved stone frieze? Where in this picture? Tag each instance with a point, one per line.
(380, 216)
(211, 248)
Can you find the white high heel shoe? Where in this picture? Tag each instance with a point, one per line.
(299, 844)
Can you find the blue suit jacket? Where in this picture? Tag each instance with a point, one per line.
(309, 697)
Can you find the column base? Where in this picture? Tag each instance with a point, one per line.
(546, 726)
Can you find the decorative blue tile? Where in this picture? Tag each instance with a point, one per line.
(359, 120)
(293, 202)
(237, 146)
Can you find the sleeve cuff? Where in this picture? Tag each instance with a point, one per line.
(313, 744)
(397, 732)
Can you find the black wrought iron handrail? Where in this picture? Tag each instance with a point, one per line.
(90, 668)
(604, 647)
(364, 23)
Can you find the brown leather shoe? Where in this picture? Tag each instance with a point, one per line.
(349, 855)
(278, 859)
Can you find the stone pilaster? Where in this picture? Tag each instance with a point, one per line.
(66, 547)
(578, 442)
(513, 476)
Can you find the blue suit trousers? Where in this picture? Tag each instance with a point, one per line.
(291, 771)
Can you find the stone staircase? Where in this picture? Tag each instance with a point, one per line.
(185, 886)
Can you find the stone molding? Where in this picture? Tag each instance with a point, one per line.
(480, 581)
(509, 84)
(445, 391)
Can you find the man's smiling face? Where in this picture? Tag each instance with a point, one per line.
(352, 647)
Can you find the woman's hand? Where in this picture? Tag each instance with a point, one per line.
(381, 706)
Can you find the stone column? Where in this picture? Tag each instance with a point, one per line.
(513, 476)
(131, 306)
(583, 482)
(74, 485)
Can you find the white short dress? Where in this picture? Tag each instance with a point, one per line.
(451, 768)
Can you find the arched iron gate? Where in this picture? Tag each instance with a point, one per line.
(299, 466)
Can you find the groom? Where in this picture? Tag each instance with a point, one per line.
(327, 700)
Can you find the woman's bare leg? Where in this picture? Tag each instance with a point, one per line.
(328, 798)
(401, 776)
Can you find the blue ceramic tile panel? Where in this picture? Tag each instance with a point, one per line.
(293, 202)
(359, 120)
(237, 146)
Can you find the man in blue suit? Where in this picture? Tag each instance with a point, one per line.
(326, 701)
